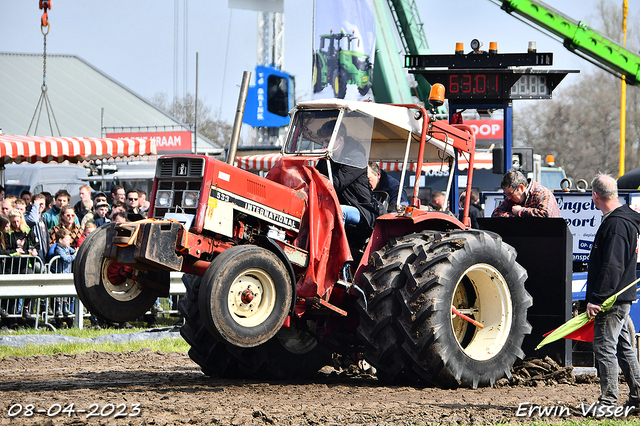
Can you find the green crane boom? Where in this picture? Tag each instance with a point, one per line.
(414, 41)
(578, 38)
(389, 79)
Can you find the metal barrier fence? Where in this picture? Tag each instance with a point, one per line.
(25, 283)
(21, 264)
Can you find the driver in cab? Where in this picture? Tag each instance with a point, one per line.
(349, 172)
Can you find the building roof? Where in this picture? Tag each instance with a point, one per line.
(77, 92)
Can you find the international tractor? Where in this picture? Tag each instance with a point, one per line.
(337, 64)
(276, 284)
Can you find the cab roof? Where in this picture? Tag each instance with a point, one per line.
(391, 127)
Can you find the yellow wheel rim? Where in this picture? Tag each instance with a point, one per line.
(251, 298)
(492, 307)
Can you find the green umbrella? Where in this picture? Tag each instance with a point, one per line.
(581, 320)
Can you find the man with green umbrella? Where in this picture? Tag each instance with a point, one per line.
(612, 266)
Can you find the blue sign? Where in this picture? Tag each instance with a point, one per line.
(269, 101)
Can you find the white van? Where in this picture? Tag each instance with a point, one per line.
(50, 177)
(131, 175)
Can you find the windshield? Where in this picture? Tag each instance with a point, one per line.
(552, 178)
(315, 132)
(352, 140)
(303, 136)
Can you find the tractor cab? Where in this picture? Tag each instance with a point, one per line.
(332, 43)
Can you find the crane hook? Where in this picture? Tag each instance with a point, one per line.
(44, 21)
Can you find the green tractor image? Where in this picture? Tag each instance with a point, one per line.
(336, 64)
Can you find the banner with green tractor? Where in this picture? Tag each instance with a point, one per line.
(344, 49)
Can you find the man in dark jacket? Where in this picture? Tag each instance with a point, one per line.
(382, 181)
(612, 266)
(350, 180)
(475, 209)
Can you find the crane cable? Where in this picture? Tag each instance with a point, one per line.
(44, 97)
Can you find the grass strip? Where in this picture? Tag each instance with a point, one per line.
(86, 333)
(164, 345)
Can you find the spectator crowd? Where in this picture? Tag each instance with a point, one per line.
(45, 231)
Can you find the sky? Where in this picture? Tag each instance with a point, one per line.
(133, 41)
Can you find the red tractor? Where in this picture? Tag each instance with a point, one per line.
(276, 283)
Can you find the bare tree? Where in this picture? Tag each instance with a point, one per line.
(581, 125)
(210, 125)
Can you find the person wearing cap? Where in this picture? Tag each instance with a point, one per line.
(99, 197)
(100, 214)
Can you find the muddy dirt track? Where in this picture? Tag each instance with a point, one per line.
(151, 388)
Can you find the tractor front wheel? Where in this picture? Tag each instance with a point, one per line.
(339, 83)
(245, 296)
(111, 291)
(364, 89)
(206, 350)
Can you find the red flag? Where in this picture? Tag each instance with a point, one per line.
(583, 334)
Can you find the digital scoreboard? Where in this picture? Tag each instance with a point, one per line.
(501, 84)
(489, 77)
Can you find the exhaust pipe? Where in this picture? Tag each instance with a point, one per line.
(237, 124)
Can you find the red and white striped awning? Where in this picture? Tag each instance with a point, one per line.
(264, 162)
(31, 149)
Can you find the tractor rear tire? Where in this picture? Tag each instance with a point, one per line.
(245, 296)
(476, 272)
(318, 81)
(284, 357)
(381, 308)
(124, 299)
(206, 351)
(80, 288)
